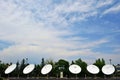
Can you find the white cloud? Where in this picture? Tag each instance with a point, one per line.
(94, 43)
(117, 50)
(102, 3)
(37, 29)
(113, 9)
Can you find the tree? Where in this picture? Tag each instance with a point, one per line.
(100, 63)
(53, 71)
(37, 70)
(83, 66)
(72, 62)
(42, 62)
(17, 68)
(3, 66)
(22, 66)
(16, 72)
(62, 65)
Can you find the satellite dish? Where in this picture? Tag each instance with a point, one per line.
(10, 68)
(75, 69)
(46, 69)
(29, 68)
(108, 69)
(93, 69)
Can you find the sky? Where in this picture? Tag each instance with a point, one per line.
(55, 29)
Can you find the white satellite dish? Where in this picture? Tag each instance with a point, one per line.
(10, 68)
(75, 69)
(46, 69)
(108, 69)
(93, 69)
(29, 68)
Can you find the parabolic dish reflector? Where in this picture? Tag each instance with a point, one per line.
(29, 68)
(46, 69)
(10, 68)
(75, 69)
(93, 69)
(108, 69)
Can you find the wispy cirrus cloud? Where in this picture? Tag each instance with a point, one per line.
(113, 9)
(41, 28)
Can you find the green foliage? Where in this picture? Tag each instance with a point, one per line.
(100, 63)
(43, 62)
(53, 72)
(37, 70)
(83, 66)
(60, 65)
(72, 62)
(1, 78)
(3, 66)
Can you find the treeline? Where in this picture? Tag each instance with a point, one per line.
(60, 65)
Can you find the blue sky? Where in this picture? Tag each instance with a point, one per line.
(68, 29)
